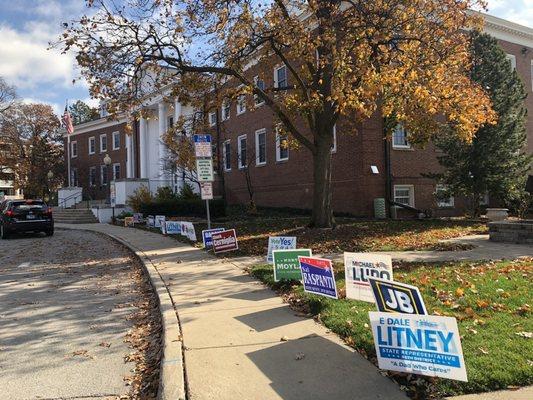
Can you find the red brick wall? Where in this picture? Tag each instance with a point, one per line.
(84, 160)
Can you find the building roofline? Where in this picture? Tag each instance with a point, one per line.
(506, 30)
(99, 123)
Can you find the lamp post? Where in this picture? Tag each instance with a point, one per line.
(50, 176)
(107, 162)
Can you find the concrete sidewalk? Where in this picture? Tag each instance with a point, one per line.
(233, 328)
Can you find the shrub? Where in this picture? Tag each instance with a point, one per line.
(140, 197)
(184, 208)
(187, 193)
(164, 193)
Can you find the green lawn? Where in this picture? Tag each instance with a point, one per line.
(350, 234)
(490, 300)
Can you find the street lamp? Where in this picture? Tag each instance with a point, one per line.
(107, 162)
(50, 176)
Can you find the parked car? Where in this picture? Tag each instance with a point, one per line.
(25, 216)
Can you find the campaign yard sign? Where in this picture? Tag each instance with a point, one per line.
(187, 229)
(159, 221)
(150, 221)
(137, 218)
(286, 265)
(317, 276)
(279, 243)
(397, 297)
(128, 221)
(418, 344)
(225, 241)
(173, 227)
(358, 267)
(207, 236)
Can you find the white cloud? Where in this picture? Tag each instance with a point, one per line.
(58, 108)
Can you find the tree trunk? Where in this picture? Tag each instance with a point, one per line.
(322, 211)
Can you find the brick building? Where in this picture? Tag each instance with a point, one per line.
(365, 166)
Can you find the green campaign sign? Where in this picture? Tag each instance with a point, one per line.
(286, 264)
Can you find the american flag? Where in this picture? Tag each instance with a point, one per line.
(67, 122)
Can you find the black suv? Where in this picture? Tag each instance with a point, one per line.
(25, 216)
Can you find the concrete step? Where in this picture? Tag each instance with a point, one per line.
(74, 216)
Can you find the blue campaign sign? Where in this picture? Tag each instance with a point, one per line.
(418, 344)
(398, 297)
(317, 276)
(173, 227)
(207, 236)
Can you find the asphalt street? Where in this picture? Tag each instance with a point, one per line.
(64, 307)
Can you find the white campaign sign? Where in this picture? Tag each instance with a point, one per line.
(159, 221)
(279, 243)
(358, 267)
(187, 229)
(418, 344)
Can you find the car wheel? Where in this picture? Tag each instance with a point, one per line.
(3, 232)
(49, 232)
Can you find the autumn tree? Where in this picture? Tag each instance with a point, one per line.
(81, 112)
(495, 161)
(31, 147)
(8, 96)
(345, 59)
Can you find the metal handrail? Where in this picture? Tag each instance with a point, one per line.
(72, 196)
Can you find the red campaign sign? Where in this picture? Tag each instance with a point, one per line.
(225, 241)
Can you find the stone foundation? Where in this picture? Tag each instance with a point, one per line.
(512, 231)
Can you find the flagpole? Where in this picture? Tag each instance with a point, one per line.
(68, 148)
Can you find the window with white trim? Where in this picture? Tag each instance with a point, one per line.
(226, 106)
(399, 138)
(334, 145)
(116, 171)
(74, 176)
(443, 201)
(103, 143)
(242, 152)
(103, 174)
(512, 60)
(404, 194)
(260, 147)
(92, 176)
(116, 140)
(73, 149)
(226, 150)
(212, 118)
(261, 85)
(241, 104)
(170, 122)
(282, 147)
(92, 145)
(280, 77)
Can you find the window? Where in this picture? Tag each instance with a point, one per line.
(116, 171)
(103, 174)
(260, 147)
(170, 122)
(225, 109)
(227, 155)
(116, 140)
(261, 85)
(241, 104)
(282, 147)
(280, 77)
(442, 200)
(399, 138)
(241, 151)
(73, 149)
(334, 145)
(103, 143)
(404, 194)
(92, 176)
(92, 145)
(212, 118)
(512, 60)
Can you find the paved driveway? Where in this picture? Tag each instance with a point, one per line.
(64, 302)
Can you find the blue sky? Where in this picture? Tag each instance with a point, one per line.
(40, 75)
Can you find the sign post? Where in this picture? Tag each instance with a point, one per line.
(204, 169)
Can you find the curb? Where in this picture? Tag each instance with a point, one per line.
(172, 380)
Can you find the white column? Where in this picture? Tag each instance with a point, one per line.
(162, 108)
(177, 115)
(142, 148)
(129, 152)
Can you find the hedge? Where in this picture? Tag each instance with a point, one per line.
(184, 208)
